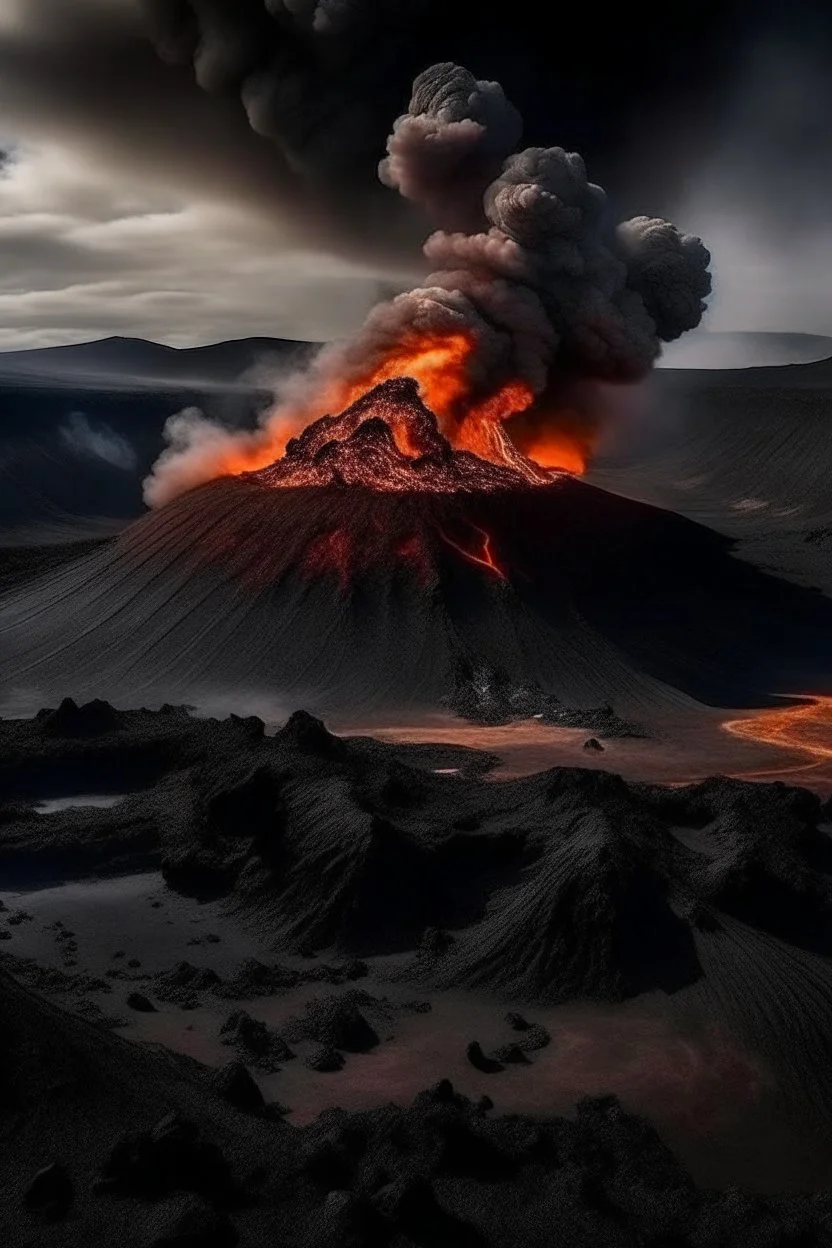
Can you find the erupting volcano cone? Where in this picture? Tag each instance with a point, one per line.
(372, 563)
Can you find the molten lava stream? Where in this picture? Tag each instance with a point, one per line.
(806, 728)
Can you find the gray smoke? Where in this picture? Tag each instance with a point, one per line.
(542, 283)
(97, 442)
(450, 144)
(544, 280)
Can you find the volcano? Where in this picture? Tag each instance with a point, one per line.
(374, 565)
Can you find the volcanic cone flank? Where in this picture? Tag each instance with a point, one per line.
(371, 565)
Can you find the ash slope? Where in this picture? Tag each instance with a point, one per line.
(563, 886)
(361, 601)
(747, 452)
(144, 1151)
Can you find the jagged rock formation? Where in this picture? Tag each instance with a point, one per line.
(563, 886)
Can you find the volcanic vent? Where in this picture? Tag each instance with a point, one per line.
(389, 440)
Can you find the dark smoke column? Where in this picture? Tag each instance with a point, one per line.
(534, 289)
(541, 277)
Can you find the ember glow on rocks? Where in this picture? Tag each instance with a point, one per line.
(534, 293)
(389, 440)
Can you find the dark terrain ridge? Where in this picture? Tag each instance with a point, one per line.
(50, 491)
(567, 885)
(104, 1141)
(570, 884)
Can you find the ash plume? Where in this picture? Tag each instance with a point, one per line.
(308, 72)
(450, 144)
(543, 284)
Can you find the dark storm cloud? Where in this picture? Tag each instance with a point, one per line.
(91, 75)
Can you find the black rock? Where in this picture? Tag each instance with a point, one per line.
(309, 735)
(594, 745)
(511, 1053)
(325, 1059)
(335, 1021)
(71, 720)
(189, 1222)
(517, 1021)
(257, 1041)
(235, 1084)
(535, 1037)
(171, 1157)
(478, 1059)
(182, 981)
(50, 1192)
(138, 1001)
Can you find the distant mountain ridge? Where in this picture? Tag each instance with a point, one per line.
(742, 349)
(137, 361)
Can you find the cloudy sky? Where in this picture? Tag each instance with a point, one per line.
(132, 202)
(85, 254)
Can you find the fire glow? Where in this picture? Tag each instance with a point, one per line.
(806, 728)
(440, 364)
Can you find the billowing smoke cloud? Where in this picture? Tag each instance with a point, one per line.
(544, 281)
(195, 445)
(542, 284)
(450, 144)
(97, 442)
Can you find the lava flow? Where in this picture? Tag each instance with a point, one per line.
(440, 366)
(807, 728)
(389, 440)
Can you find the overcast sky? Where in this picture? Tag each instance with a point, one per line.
(132, 203)
(85, 254)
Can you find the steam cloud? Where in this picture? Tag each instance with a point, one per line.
(87, 441)
(527, 262)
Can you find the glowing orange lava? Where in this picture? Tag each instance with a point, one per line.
(565, 442)
(485, 558)
(807, 727)
(440, 364)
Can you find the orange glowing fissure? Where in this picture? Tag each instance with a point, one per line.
(484, 558)
(439, 363)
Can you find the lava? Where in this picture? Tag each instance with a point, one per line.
(441, 367)
(485, 558)
(389, 440)
(440, 364)
(807, 728)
